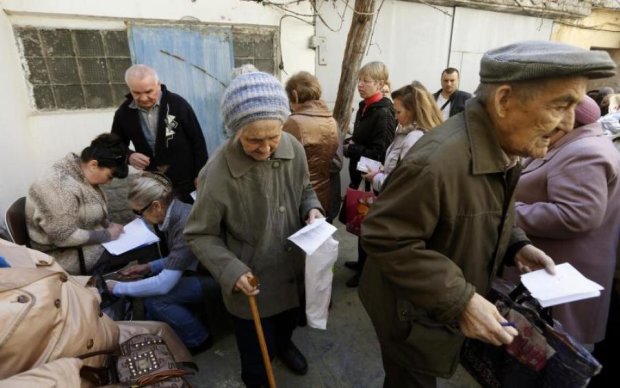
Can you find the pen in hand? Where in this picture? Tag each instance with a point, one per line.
(508, 324)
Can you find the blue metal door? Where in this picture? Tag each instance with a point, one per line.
(193, 61)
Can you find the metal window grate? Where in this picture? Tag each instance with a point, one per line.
(74, 69)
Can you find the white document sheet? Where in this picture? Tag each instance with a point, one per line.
(366, 164)
(312, 236)
(136, 234)
(567, 285)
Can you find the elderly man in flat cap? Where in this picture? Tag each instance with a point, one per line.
(444, 222)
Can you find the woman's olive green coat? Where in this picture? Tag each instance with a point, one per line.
(243, 214)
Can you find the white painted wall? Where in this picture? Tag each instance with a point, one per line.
(15, 153)
(476, 31)
(32, 140)
(411, 39)
(417, 41)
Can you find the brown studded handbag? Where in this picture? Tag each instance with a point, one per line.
(143, 360)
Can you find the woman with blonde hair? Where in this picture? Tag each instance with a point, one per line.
(417, 113)
(373, 131)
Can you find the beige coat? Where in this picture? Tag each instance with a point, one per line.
(48, 318)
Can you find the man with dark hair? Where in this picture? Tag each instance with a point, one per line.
(449, 99)
(444, 222)
(164, 131)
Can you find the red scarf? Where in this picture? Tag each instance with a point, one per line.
(371, 100)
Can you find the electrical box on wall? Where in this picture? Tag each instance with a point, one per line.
(318, 43)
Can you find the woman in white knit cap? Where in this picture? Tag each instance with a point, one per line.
(252, 195)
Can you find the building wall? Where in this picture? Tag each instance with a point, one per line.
(411, 39)
(417, 41)
(600, 30)
(476, 31)
(32, 140)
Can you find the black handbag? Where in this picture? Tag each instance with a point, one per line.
(542, 355)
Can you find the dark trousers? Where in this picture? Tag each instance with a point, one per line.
(397, 376)
(606, 350)
(108, 262)
(361, 256)
(278, 330)
(335, 197)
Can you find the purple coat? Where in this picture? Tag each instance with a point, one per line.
(568, 203)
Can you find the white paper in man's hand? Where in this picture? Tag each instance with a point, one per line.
(567, 285)
(310, 237)
(135, 234)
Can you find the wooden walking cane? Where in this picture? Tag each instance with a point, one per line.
(261, 335)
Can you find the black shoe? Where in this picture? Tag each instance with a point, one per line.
(354, 281)
(293, 359)
(204, 346)
(354, 265)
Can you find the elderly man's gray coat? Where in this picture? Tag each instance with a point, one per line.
(244, 212)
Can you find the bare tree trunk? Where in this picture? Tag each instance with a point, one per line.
(357, 41)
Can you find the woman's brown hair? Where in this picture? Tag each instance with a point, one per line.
(416, 99)
(302, 87)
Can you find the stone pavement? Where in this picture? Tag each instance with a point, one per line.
(345, 355)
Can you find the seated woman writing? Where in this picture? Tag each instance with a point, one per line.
(66, 208)
(168, 293)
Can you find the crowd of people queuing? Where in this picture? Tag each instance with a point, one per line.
(520, 176)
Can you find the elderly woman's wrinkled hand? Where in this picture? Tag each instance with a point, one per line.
(243, 284)
(313, 214)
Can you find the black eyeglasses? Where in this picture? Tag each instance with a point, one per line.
(141, 211)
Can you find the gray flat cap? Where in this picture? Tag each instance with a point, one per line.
(531, 60)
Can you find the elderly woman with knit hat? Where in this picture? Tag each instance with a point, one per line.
(253, 194)
(568, 203)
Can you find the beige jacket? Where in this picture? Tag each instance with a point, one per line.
(47, 318)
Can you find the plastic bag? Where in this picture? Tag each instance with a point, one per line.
(318, 279)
